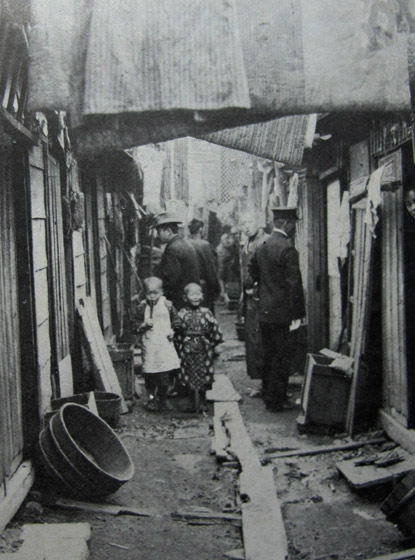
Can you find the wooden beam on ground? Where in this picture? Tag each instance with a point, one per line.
(105, 376)
(222, 390)
(100, 508)
(17, 488)
(221, 441)
(325, 449)
(262, 523)
(365, 476)
(211, 516)
(403, 555)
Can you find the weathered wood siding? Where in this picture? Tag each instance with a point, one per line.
(78, 246)
(11, 423)
(105, 311)
(395, 386)
(313, 205)
(40, 274)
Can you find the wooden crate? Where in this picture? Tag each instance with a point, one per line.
(325, 392)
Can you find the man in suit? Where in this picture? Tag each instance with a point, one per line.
(275, 267)
(207, 264)
(179, 265)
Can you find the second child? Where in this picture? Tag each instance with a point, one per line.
(197, 338)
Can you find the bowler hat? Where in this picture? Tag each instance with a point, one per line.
(165, 217)
(285, 212)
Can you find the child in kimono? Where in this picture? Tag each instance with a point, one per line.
(156, 321)
(198, 335)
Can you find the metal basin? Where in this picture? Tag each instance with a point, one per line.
(91, 455)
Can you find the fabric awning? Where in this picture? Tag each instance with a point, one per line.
(281, 140)
(130, 72)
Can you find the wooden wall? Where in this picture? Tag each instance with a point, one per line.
(103, 264)
(314, 262)
(40, 274)
(11, 421)
(395, 387)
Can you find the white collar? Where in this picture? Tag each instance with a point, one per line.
(280, 231)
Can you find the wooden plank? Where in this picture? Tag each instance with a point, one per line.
(222, 390)
(365, 476)
(325, 449)
(402, 555)
(262, 523)
(240, 442)
(65, 376)
(105, 375)
(184, 515)
(17, 488)
(221, 441)
(98, 508)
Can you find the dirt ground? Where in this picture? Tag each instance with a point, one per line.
(175, 471)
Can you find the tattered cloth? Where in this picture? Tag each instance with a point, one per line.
(131, 72)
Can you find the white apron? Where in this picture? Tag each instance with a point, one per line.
(159, 353)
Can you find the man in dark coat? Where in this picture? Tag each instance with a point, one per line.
(275, 267)
(178, 266)
(207, 264)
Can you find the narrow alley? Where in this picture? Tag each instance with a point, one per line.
(207, 289)
(177, 473)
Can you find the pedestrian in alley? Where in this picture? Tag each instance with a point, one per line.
(209, 279)
(196, 340)
(275, 267)
(255, 236)
(156, 321)
(179, 265)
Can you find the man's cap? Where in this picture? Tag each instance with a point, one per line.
(165, 217)
(285, 212)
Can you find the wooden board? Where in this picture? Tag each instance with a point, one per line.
(17, 489)
(222, 390)
(262, 523)
(221, 441)
(402, 555)
(369, 475)
(325, 449)
(105, 376)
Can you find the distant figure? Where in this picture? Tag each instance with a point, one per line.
(156, 320)
(197, 338)
(179, 265)
(228, 265)
(209, 280)
(275, 267)
(255, 236)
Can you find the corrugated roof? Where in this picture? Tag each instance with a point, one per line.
(139, 68)
(280, 140)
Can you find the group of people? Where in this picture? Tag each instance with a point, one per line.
(177, 333)
(176, 322)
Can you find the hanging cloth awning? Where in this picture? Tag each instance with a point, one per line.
(130, 72)
(281, 140)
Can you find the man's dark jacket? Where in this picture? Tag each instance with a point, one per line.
(178, 267)
(275, 266)
(207, 268)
